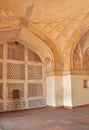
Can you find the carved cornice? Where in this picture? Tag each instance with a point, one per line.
(76, 72)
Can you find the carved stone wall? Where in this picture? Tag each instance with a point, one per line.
(34, 72)
(15, 51)
(81, 53)
(15, 105)
(15, 71)
(35, 89)
(21, 75)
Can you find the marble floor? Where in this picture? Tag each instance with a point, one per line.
(46, 119)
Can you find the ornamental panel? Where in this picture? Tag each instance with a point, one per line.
(34, 72)
(15, 51)
(15, 86)
(15, 105)
(32, 56)
(15, 71)
(35, 89)
(36, 103)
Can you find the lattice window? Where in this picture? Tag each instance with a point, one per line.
(15, 86)
(15, 71)
(15, 51)
(1, 51)
(1, 70)
(34, 72)
(1, 90)
(35, 89)
(32, 56)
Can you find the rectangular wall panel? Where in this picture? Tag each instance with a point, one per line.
(21, 77)
(15, 71)
(15, 51)
(34, 72)
(35, 89)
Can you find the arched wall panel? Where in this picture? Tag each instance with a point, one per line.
(22, 78)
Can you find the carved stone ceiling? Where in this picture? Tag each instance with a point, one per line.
(57, 19)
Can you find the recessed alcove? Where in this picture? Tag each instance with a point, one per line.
(16, 94)
(86, 83)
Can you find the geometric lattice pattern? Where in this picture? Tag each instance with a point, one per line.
(1, 107)
(15, 86)
(34, 72)
(36, 103)
(1, 90)
(1, 51)
(15, 51)
(35, 89)
(15, 105)
(1, 70)
(32, 56)
(18, 68)
(15, 71)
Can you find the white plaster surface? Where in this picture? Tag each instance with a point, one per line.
(67, 91)
(54, 87)
(80, 94)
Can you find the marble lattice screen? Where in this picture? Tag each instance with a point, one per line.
(21, 74)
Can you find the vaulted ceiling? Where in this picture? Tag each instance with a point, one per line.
(59, 24)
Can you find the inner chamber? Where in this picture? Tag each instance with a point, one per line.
(22, 79)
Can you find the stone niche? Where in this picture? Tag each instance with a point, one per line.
(16, 94)
(21, 77)
(86, 83)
